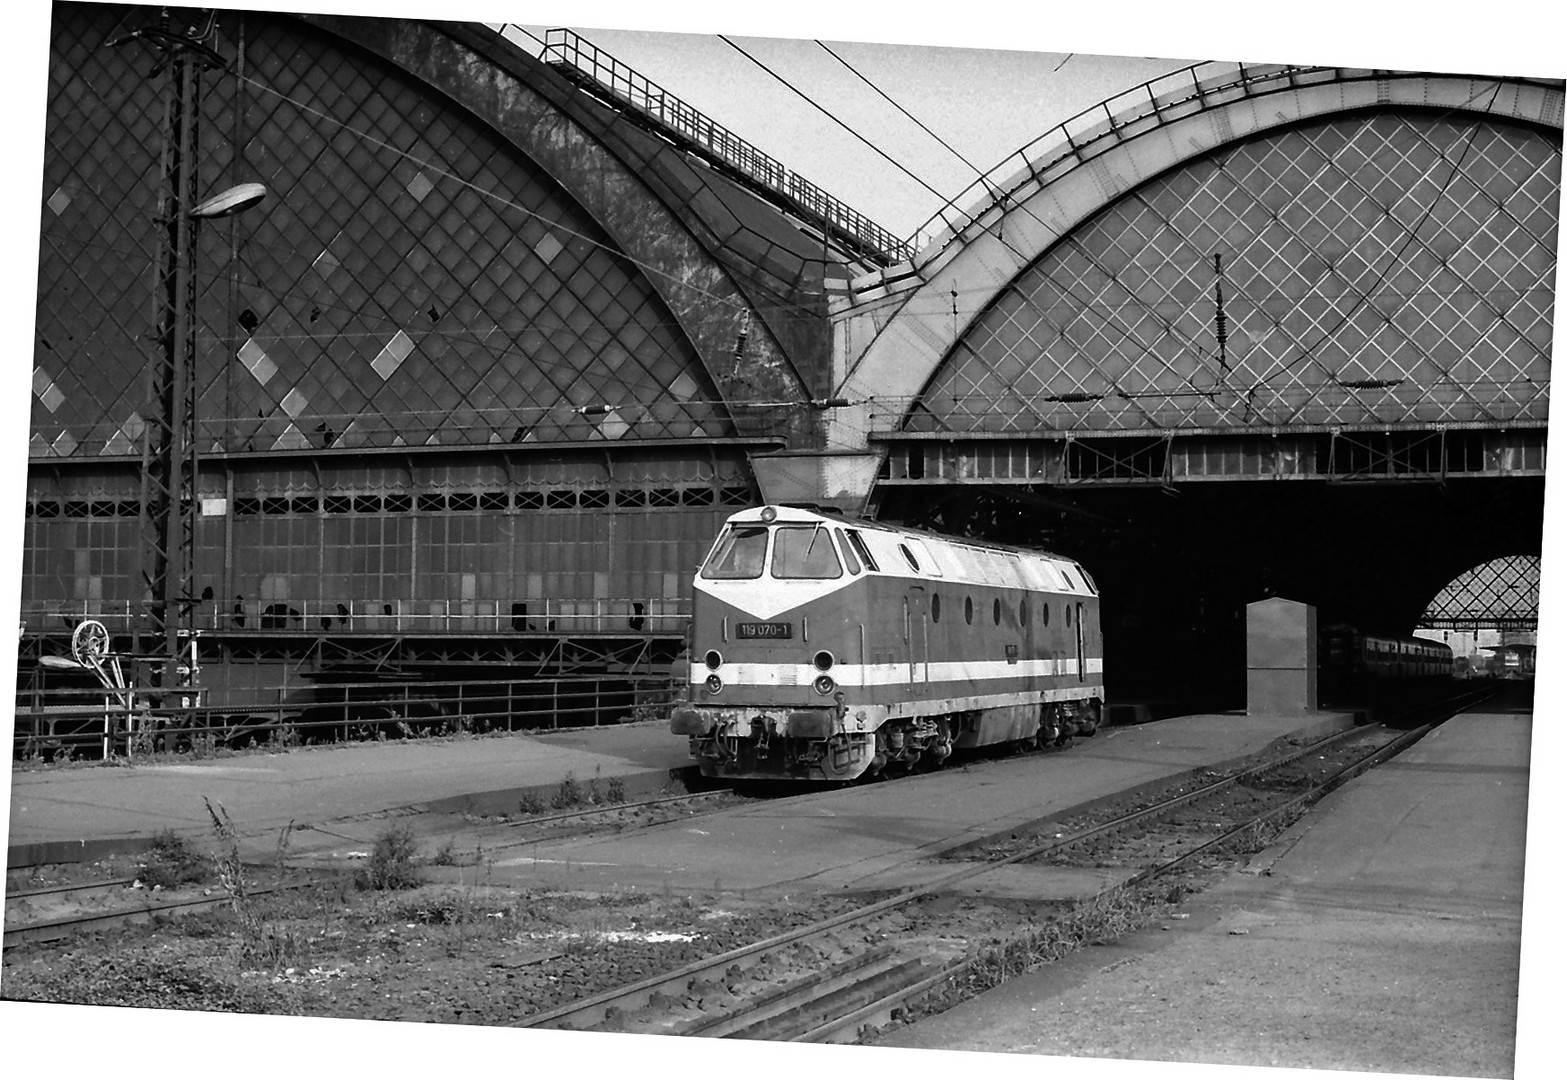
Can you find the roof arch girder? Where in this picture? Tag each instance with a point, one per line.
(528, 105)
(898, 326)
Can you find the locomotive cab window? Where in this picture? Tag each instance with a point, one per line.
(848, 553)
(805, 551)
(740, 553)
(857, 543)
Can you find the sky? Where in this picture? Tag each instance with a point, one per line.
(987, 78)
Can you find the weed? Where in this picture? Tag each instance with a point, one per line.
(445, 855)
(170, 862)
(391, 862)
(280, 857)
(447, 908)
(617, 790)
(530, 804)
(566, 796)
(259, 943)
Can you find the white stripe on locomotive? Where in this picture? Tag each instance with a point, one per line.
(738, 675)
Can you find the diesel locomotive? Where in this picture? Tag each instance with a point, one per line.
(829, 648)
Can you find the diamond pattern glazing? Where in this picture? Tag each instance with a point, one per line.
(1502, 591)
(411, 278)
(1376, 269)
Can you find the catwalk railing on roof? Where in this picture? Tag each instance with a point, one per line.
(1128, 114)
(580, 59)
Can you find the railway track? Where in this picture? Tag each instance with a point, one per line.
(75, 907)
(100, 905)
(866, 970)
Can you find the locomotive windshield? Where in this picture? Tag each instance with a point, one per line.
(740, 553)
(805, 551)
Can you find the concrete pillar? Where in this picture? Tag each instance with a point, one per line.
(1281, 657)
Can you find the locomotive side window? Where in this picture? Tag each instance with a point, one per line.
(848, 553)
(1069, 614)
(995, 611)
(968, 609)
(804, 551)
(857, 542)
(908, 557)
(740, 553)
(1022, 611)
(920, 557)
(935, 607)
(1044, 613)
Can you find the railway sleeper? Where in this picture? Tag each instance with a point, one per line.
(829, 1001)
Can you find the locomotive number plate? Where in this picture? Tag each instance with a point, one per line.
(764, 630)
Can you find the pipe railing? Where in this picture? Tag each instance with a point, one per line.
(83, 721)
(1132, 112)
(565, 48)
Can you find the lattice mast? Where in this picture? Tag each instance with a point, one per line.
(167, 511)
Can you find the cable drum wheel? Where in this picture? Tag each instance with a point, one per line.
(90, 643)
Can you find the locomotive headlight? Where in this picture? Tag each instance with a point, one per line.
(714, 684)
(714, 659)
(823, 660)
(824, 685)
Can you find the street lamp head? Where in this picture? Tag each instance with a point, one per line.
(230, 201)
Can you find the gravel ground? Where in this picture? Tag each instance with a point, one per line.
(439, 952)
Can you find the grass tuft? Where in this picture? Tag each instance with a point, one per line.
(391, 862)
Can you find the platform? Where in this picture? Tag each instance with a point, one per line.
(61, 814)
(72, 812)
(1382, 933)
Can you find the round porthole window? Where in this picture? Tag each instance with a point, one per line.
(968, 609)
(935, 607)
(995, 611)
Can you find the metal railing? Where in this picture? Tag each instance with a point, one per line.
(544, 615)
(84, 722)
(566, 49)
(1132, 112)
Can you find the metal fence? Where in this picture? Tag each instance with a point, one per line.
(82, 722)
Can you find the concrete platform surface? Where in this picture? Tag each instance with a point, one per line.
(879, 835)
(101, 808)
(1382, 933)
(85, 811)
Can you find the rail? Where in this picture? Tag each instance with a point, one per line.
(871, 987)
(568, 52)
